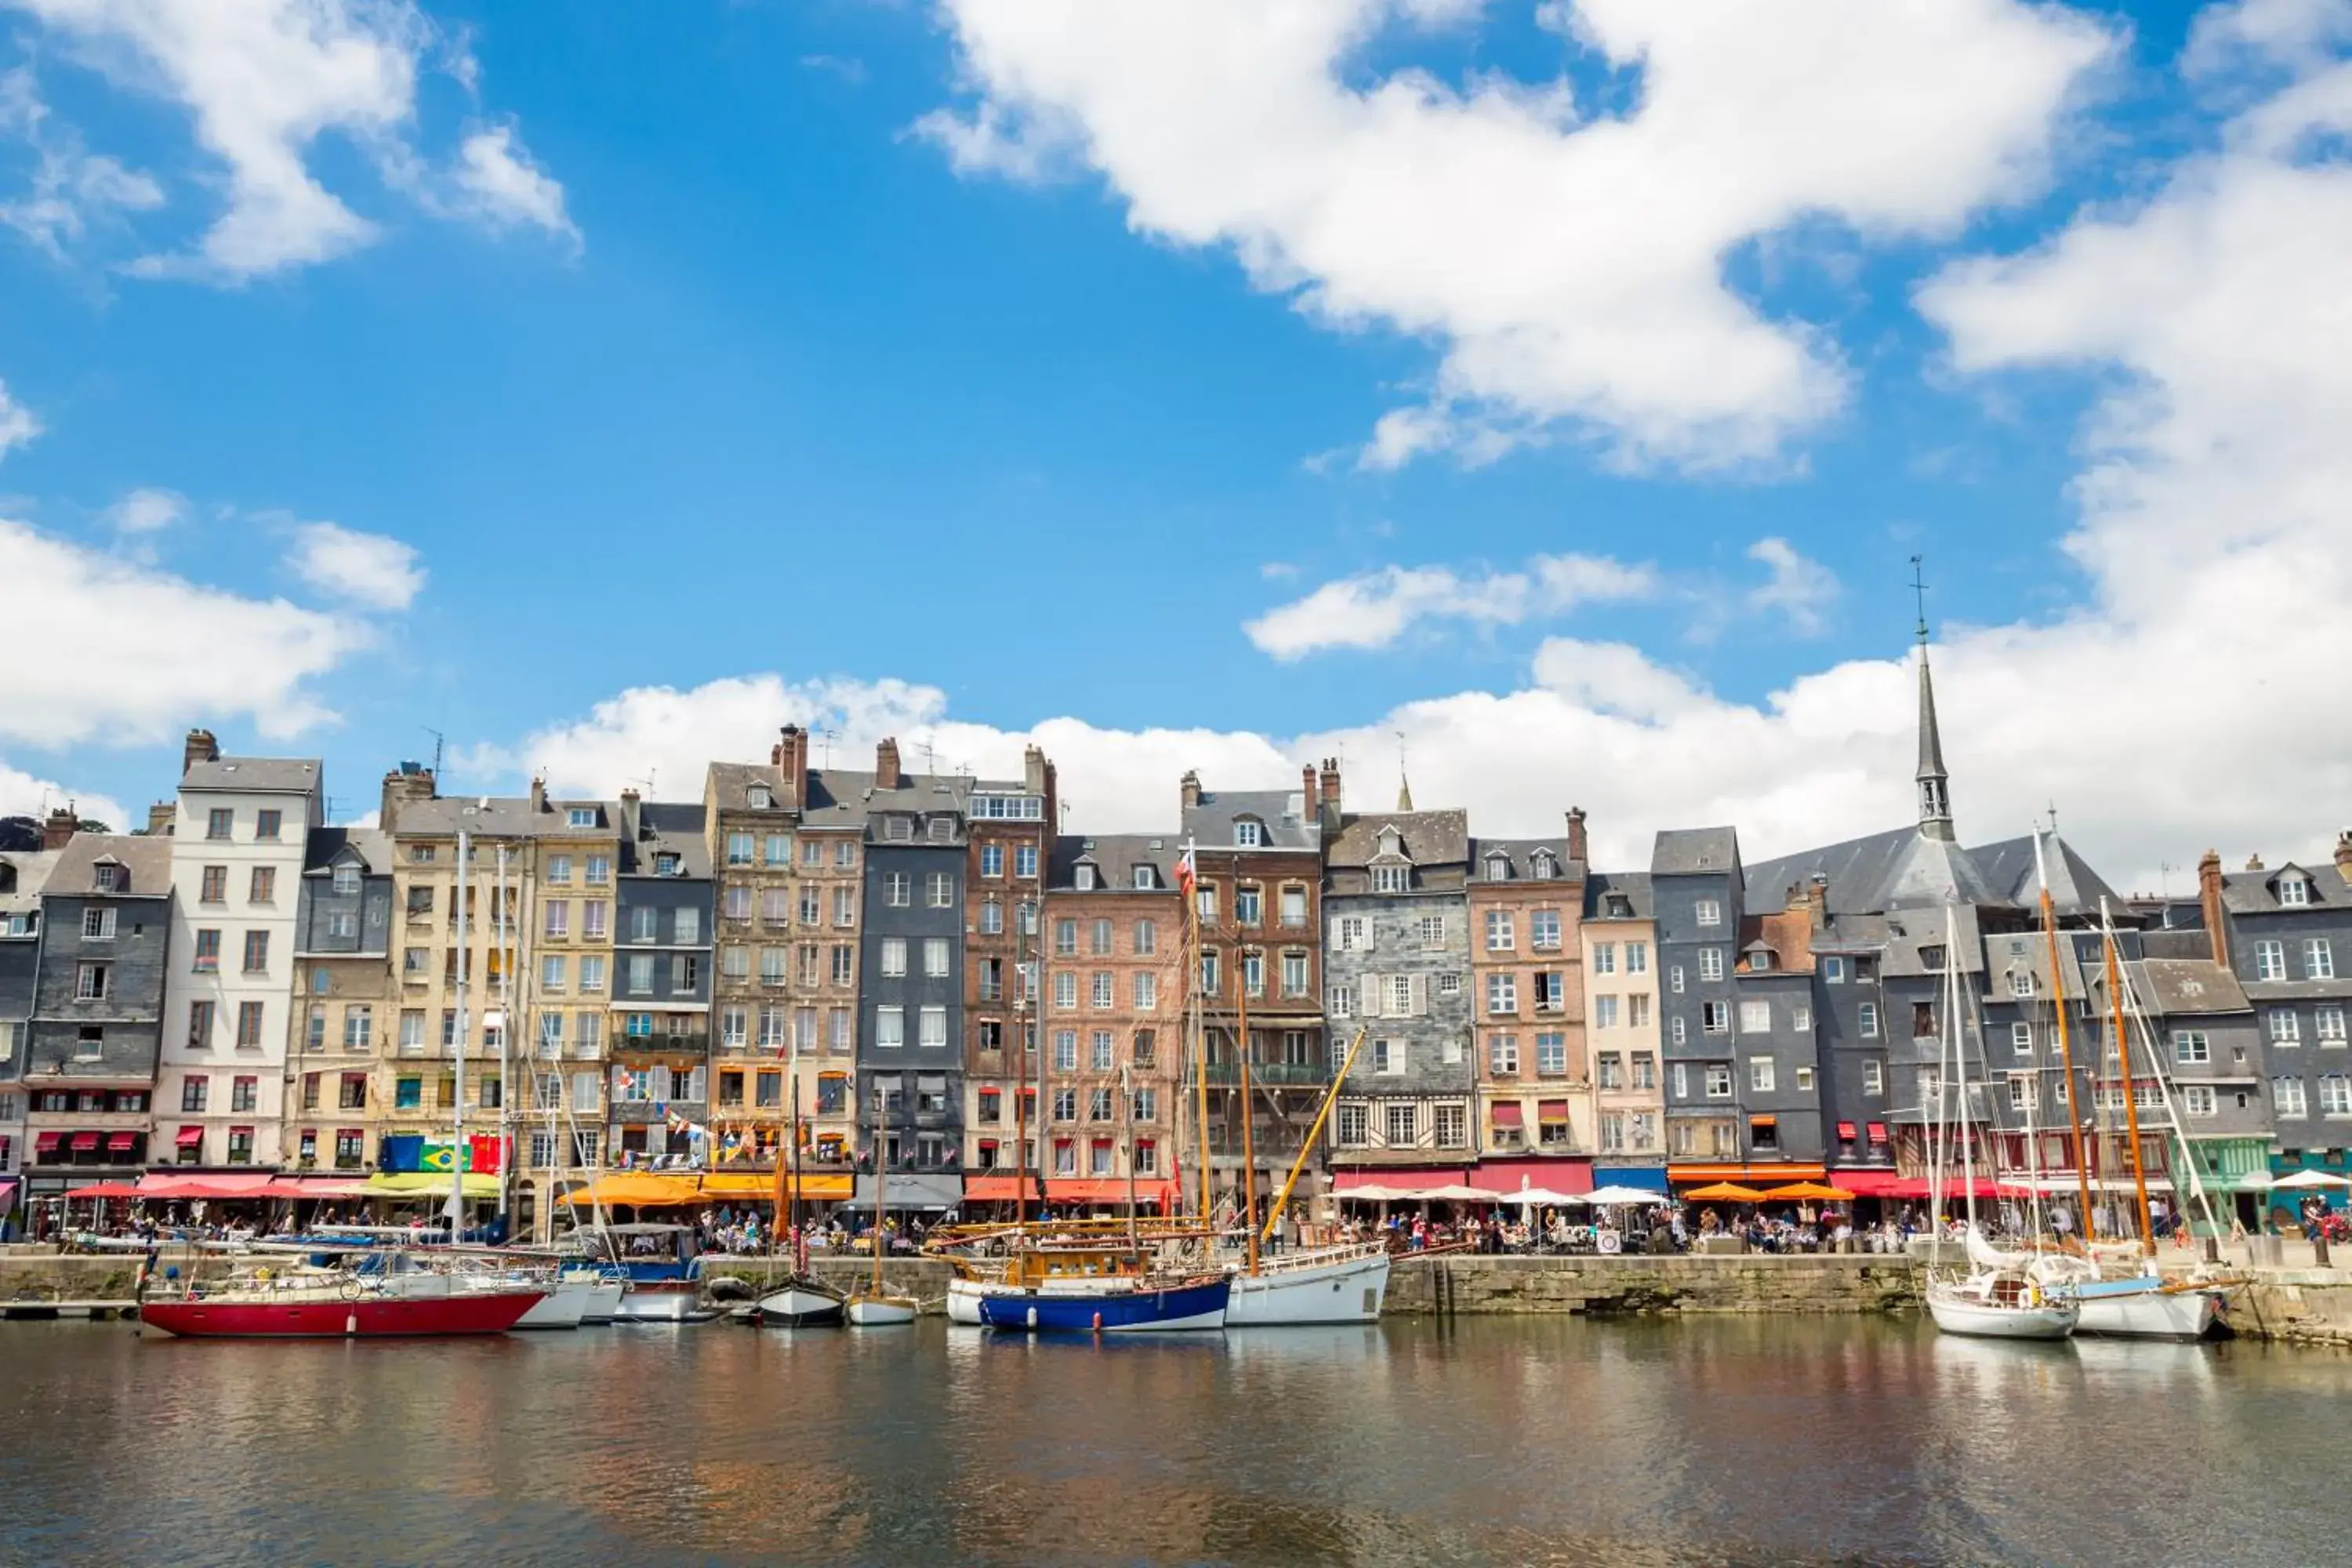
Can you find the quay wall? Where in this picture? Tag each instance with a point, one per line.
(1473, 1283)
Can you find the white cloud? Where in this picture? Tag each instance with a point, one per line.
(148, 511)
(497, 173)
(263, 82)
(136, 653)
(17, 424)
(1374, 609)
(1570, 269)
(1799, 589)
(72, 189)
(25, 794)
(369, 570)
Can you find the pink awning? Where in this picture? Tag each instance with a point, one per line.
(1556, 1174)
(1414, 1179)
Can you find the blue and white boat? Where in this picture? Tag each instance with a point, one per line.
(1142, 1308)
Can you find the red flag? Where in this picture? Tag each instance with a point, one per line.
(1186, 876)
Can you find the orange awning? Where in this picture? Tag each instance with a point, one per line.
(1724, 1192)
(999, 1189)
(1106, 1190)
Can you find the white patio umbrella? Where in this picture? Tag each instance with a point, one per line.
(1609, 1197)
(1460, 1194)
(2308, 1180)
(1375, 1195)
(1545, 1196)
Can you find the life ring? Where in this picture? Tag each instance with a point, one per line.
(1608, 1242)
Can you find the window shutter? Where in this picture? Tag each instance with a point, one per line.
(1420, 996)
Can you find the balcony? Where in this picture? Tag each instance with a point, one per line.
(1271, 1075)
(693, 1042)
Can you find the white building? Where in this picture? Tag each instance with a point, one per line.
(237, 842)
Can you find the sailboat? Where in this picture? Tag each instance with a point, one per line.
(875, 1308)
(803, 1300)
(1345, 1284)
(1996, 1299)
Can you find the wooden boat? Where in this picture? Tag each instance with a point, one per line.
(1142, 1307)
(1327, 1285)
(2003, 1304)
(331, 1304)
(875, 1308)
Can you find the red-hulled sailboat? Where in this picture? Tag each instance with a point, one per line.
(326, 1303)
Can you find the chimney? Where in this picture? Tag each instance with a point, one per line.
(1817, 899)
(2343, 854)
(1578, 846)
(1190, 787)
(886, 766)
(58, 830)
(629, 802)
(1327, 798)
(160, 818)
(1307, 810)
(201, 748)
(404, 784)
(1033, 769)
(790, 756)
(2209, 900)
(538, 794)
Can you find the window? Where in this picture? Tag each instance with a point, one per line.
(244, 1094)
(1610, 1071)
(1707, 912)
(1866, 1020)
(1710, 964)
(1403, 1126)
(1066, 939)
(1759, 1074)
(2287, 1097)
(2286, 1027)
(1453, 1127)
(896, 889)
(2189, 1046)
(1350, 1132)
(207, 958)
(1756, 1018)
(214, 888)
(1543, 929)
(1391, 879)
(890, 1027)
(939, 891)
(1503, 1055)
(1339, 1001)
(1294, 974)
(1719, 1082)
(1874, 1078)
(200, 1025)
(1099, 943)
(1714, 1017)
(1637, 958)
(2335, 1095)
(1677, 1029)
(1100, 989)
(1604, 958)
(2318, 959)
(1604, 1012)
(1502, 993)
(935, 957)
(266, 823)
(90, 982)
(1212, 984)
(219, 823)
(257, 951)
(359, 1028)
(1387, 1056)
(1348, 933)
(2196, 1098)
(600, 872)
(1674, 980)
(1551, 1054)
(192, 1091)
(2270, 959)
(1065, 990)
(1204, 902)
(1066, 1050)
(933, 1024)
(580, 816)
(1249, 905)
(2293, 891)
(1833, 971)
(592, 973)
(1254, 972)
(894, 957)
(739, 848)
(1500, 937)
(1645, 1071)
(1294, 906)
(1432, 933)
(2329, 1017)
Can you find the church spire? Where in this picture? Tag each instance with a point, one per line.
(1935, 783)
(1405, 785)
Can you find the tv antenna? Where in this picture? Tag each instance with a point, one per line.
(440, 744)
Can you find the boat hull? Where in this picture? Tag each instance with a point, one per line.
(2142, 1313)
(563, 1307)
(602, 1300)
(964, 1297)
(1172, 1310)
(880, 1311)
(369, 1317)
(1978, 1320)
(1346, 1290)
(667, 1302)
(800, 1306)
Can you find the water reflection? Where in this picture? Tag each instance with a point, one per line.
(1558, 1441)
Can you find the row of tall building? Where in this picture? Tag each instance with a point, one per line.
(674, 984)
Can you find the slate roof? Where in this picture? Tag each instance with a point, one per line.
(1902, 867)
(2256, 892)
(1599, 885)
(1115, 856)
(148, 861)
(1521, 855)
(2028, 952)
(1681, 851)
(1909, 932)
(2172, 986)
(730, 785)
(1430, 837)
(31, 868)
(503, 817)
(2074, 887)
(1210, 823)
(324, 844)
(271, 775)
(666, 827)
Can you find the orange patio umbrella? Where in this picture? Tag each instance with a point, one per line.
(1725, 1192)
(1814, 1192)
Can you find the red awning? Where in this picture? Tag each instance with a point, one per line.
(1763, 1120)
(1879, 1131)
(47, 1143)
(119, 1142)
(999, 1189)
(164, 1184)
(1419, 1178)
(1845, 1131)
(85, 1141)
(188, 1138)
(1107, 1190)
(1551, 1110)
(1892, 1184)
(1508, 1113)
(1558, 1175)
(104, 1190)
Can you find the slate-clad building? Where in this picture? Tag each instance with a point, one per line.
(340, 1056)
(23, 874)
(660, 1024)
(98, 1011)
(1696, 892)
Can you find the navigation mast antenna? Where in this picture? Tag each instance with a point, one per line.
(1919, 593)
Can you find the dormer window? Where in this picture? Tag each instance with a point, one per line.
(107, 877)
(1498, 868)
(1621, 908)
(1391, 879)
(943, 830)
(1084, 878)
(581, 816)
(1248, 834)
(1931, 958)
(1760, 960)
(1546, 867)
(760, 799)
(665, 865)
(1144, 878)
(899, 827)
(2293, 891)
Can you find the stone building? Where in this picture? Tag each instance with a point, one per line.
(98, 1011)
(1396, 913)
(239, 840)
(1257, 912)
(339, 1059)
(1536, 1118)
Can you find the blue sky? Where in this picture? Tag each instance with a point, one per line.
(743, 364)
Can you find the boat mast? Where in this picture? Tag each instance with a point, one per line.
(2123, 1061)
(881, 1181)
(1959, 1057)
(1314, 1131)
(505, 928)
(1249, 1147)
(793, 1190)
(458, 1048)
(2065, 1046)
(1198, 1050)
(1126, 1102)
(1028, 1045)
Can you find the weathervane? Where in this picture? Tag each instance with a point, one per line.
(1919, 591)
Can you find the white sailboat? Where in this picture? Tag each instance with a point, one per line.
(875, 1308)
(1996, 1299)
(1325, 1284)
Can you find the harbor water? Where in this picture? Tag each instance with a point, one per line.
(1797, 1440)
